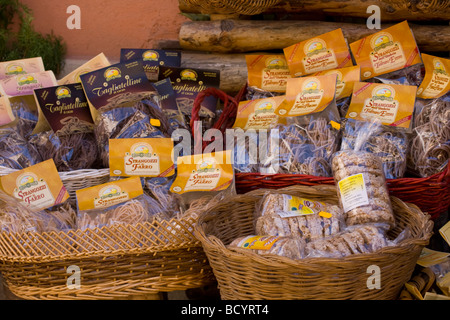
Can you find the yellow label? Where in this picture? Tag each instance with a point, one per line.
(346, 78)
(444, 284)
(109, 194)
(414, 291)
(155, 122)
(144, 157)
(258, 242)
(335, 125)
(435, 296)
(445, 232)
(325, 52)
(98, 62)
(203, 172)
(258, 114)
(391, 49)
(392, 104)
(436, 81)
(6, 114)
(38, 187)
(307, 95)
(324, 214)
(430, 257)
(296, 206)
(267, 72)
(353, 192)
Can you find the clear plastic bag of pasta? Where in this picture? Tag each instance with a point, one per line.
(15, 151)
(164, 204)
(27, 117)
(429, 151)
(412, 76)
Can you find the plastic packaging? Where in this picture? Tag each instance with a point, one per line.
(15, 151)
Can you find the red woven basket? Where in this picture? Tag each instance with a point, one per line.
(430, 194)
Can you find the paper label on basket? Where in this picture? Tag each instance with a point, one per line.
(267, 72)
(258, 242)
(445, 232)
(392, 104)
(152, 59)
(391, 49)
(6, 114)
(20, 67)
(203, 172)
(64, 109)
(144, 157)
(436, 81)
(25, 84)
(325, 52)
(38, 187)
(346, 78)
(98, 62)
(109, 194)
(353, 192)
(295, 206)
(259, 114)
(430, 257)
(307, 95)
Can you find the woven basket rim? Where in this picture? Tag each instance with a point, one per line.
(213, 243)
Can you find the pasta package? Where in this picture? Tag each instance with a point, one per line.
(168, 101)
(25, 84)
(98, 62)
(143, 157)
(345, 79)
(267, 72)
(123, 104)
(324, 52)
(388, 50)
(22, 66)
(152, 59)
(436, 81)
(116, 202)
(37, 187)
(6, 113)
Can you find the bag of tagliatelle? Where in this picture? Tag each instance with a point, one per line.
(98, 62)
(392, 106)
(267, 75)
(22, 66)
(324, 52)
(386, 51)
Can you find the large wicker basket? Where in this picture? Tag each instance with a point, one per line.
(246, 275)
(115, 262)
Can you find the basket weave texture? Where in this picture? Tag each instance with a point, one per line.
(115, 261)
(243, 275)
(245, 7)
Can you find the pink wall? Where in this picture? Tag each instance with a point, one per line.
(108, 25)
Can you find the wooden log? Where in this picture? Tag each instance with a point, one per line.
(391, 10)
(227, 36)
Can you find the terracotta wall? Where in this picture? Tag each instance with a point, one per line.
(108, 25)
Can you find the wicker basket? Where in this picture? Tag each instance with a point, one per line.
(245, 7)
(115, 262)
(246, 275)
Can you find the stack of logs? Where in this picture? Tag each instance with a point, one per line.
(222, 41)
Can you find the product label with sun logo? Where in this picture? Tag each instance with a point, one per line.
(345, 79)
(307, 95)
(37, 187)
(391, 49)
(23, 66)
(436, 81)
(109, 194)
(25, 84)
(393, 105)
(325, 52)
(204, 172)
(144, 157)
(267, 72)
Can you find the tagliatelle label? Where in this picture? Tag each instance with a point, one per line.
(346, 77)
(19, 67)
(392, 104)
(324, 52)
(307, 95)
(203, 172)
(258, 242)
(436, 81)
(144, 157)
(267, 72)
(259, 113)
(391, 49)
(38, 187)
(98, 62)
(25, 84)
(109, 194)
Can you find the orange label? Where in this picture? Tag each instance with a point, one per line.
(325, 52)
(37, 187)
(307, 95)
(203, 172)
(346, 77)
(109, 194)
(267, 72)
(436, 82)
(144, 157)
(392, 104)
(258, 114)
(391, 49)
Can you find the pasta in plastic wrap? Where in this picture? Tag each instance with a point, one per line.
(164, 204)
(15, 151)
